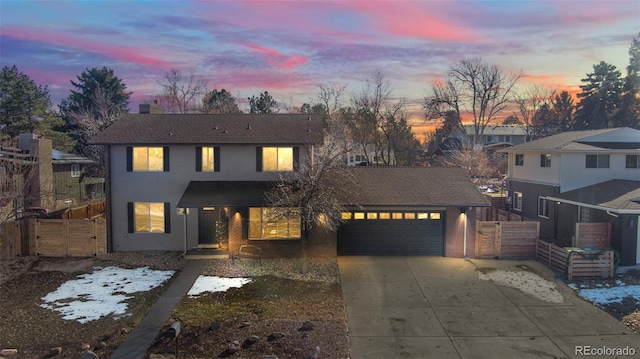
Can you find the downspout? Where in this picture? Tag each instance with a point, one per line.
(464, 236)
(186, 212)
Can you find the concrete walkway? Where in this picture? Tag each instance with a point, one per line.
(142, 336)
(434, 307)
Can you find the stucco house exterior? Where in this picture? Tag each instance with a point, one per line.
(183, 182)
(580, 176)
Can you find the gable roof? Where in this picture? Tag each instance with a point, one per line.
(580, 140)
(616, 195)
(412, 186)
(213, 128)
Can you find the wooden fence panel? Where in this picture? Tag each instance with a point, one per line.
(518, 239)
(576, 265)
(51, 238)
(10, 240)
(593, 235)
(81, 237)
(485, 239)
(101, 235)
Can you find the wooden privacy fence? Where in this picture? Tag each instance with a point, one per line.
(592, 235)
(575, 262)
(95, 209)
(14, 238)
(506, 240)
(70, 237)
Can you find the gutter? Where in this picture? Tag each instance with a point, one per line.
(608, 210)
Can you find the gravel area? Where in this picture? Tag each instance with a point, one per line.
(317, 269)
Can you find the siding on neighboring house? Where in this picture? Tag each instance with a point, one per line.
(574, 173)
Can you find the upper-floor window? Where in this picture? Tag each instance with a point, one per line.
(489, 138)
(597, 161)
(276, 159)
(632, 161)
(517, 201)
(507, 138)
(519, 160)
(207, 159)
(148, 217)
(75, 170)
(147, 159)
(545, 160)
(274, 223)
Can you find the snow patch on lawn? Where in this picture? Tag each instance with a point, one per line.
(103, 292)
(206, 284)
(526, 282)
(602, 296)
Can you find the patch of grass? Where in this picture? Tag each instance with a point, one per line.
(266, 297)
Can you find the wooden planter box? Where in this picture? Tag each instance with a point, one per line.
(576, 262)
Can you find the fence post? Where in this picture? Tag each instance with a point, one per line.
(498, 240)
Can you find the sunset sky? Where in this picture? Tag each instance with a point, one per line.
(290, 47)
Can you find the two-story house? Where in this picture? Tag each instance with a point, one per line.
(580, 176)
(179, 182)
(497, 134)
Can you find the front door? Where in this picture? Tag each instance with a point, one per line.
(207, 227)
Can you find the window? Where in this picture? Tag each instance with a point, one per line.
(434, 215)
(148, 217)
(207, 159)
(489, 139)
(597, 161)
(409, 215)
(632, 161)
(384, 215)
(276, 159)
(274, 223)
(519, 160)
(358, 215)
(396, 215)
(347, 215)
(545, 160)
(423, 215)
(372, 215)
(584, 214)
(517, 201)
(507, 138)
(147, 159)
(75, 170)
(543, 207)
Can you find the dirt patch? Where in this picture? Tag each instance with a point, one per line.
(525, 281)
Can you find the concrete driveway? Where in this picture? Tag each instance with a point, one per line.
(434, 307)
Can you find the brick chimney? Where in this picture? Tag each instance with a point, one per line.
(150, 108)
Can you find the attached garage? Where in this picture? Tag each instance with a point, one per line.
(408, 211)
(392, 233)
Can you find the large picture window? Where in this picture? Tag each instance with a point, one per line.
(148, 217)
(147, 159)
(277, 159)
(274, 223)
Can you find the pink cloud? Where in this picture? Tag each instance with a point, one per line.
(413, 18)
(277, 59)
(121, 53)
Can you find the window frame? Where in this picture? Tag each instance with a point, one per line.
(130, 159)
(627, 162)
(75, 170)
(519, 159)
(260, 158)
(545, 160)
(599, 161)
(200, 159)
(517, 201)
(543, 207)
(289, 220)
(131, 217)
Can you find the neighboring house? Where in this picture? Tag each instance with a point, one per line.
(357, 157)
(48, 178)
(497, 135)
(581, 176)
(179, 182)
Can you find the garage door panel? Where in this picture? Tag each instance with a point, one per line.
(391, 237)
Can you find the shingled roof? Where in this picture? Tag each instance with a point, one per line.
(578, 140)
(617, 195)
(412, 186)
(212, 128)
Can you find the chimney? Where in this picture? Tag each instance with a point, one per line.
(150, 108)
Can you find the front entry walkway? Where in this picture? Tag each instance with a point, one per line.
(436, 307)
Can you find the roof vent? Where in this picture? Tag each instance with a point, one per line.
(225, 131)
(248, 126)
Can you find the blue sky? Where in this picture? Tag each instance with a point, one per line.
(290, 47)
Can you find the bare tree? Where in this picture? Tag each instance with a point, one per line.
(180, 93)
(530, 101)
(330, 96)
(472, 87)
(476, 162)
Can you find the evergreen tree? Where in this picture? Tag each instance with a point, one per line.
(222, 101)
(263, 104)
(22, 102)
(600, 98)
(629, 114)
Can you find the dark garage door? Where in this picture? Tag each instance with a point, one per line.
(365, 236)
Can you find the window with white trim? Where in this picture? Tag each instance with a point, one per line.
(545, 160)
(543, 207)
(75, 170)
(517, 201)
(519, 161)
(597, 161)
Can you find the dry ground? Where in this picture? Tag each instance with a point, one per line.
(278, 302)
